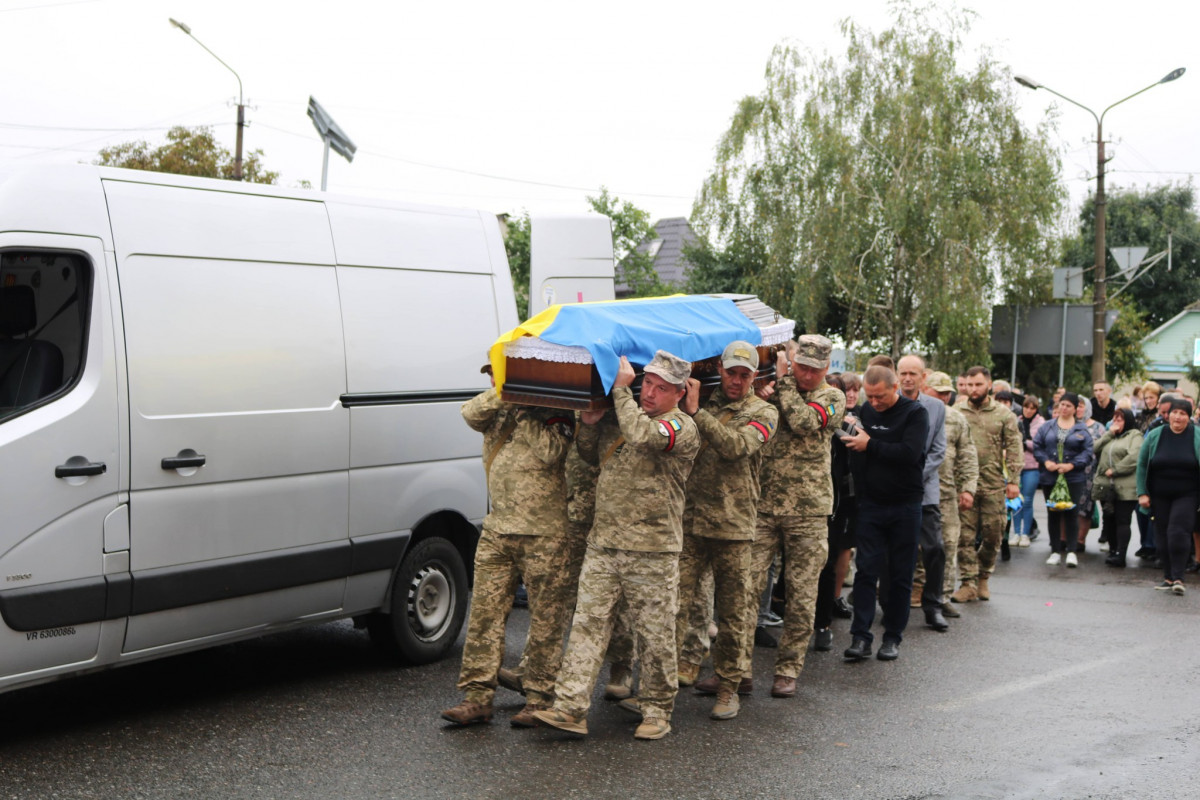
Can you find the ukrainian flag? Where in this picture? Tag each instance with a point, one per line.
(692, 327)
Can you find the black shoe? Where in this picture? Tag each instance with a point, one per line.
(842, 609)
(934, 619)
(763, 639)
(1116, 560)
(823, 640)
(1144, 552)
(1192, 568)
(888, 651)
(858, 650)
(521, 599)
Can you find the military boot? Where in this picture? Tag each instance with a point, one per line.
(965, 594)
(620, 684)
(915, 600)
(688, 673)
(982, 592)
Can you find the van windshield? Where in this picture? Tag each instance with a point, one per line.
(43, 320)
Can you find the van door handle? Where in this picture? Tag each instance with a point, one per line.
(183, 462)
(80, 469)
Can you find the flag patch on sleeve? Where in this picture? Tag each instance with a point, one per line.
(669, 428)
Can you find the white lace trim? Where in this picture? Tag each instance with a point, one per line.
(532, 347)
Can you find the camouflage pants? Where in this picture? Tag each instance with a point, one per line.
(694, 628)
(499, 560)
(729, 564)
(649, 585)
(987, 516)
(951, 531)
(805, 544)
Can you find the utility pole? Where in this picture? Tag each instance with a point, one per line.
(1099, 307)
(241, 109)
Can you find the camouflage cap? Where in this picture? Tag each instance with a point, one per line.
(672, 369)
(740, 354)
(939, 382)
(813, 350)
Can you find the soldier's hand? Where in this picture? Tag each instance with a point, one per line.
(691, 398)
(625, 373)
(781, 364)
(591, 417)
(966, 501)
(1012, 491)
(765, 391)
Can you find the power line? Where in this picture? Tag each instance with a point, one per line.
(486, 175)
(19, 126)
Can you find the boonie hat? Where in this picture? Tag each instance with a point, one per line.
(939, 382)
(672, 369)
(813, 350)
(740, 354)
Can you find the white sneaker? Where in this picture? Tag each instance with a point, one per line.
(1072, 561)
(1014, 540)
(1054, 560)
(1104, 547)
(1023, 541)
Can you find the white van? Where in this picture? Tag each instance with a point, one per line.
(227, 409)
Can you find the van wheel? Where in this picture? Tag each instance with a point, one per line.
(429, 603)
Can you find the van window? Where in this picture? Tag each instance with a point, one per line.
(43, 320)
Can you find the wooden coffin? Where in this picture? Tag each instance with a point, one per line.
(577, 387)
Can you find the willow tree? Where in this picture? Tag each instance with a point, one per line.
(893, 191)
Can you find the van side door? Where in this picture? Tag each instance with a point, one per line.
(239, 444)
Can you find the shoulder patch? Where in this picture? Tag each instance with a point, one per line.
(764, 431)
(668, 428)
(822, 412)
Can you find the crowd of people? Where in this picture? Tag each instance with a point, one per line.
(636, 528)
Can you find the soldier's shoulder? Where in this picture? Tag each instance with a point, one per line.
(827, 392)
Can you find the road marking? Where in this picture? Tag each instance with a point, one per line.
(1033, 682)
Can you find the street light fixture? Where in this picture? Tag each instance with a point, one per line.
(241, 115)
(1101, 293)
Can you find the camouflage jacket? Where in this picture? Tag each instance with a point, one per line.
(960, 470)
(526, 483)
(796, 480)
(722, 491)
(581, 486)
(997, 442)
(640, 491)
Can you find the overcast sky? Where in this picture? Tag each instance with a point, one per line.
(525, 105)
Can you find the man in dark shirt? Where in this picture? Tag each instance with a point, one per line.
(1103, 406)
(887, 457)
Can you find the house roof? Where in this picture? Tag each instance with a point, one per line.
(670, 237)
(1171, 346)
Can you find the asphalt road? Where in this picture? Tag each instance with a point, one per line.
(1075, 683)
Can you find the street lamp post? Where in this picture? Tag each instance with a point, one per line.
(241, 109)
(1101, 292)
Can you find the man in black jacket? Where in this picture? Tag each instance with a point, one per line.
(887, 458)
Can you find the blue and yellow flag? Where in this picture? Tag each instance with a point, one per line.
(693, 327)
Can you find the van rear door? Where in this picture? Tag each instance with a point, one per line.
(239, 443)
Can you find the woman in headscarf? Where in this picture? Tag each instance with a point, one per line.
(1029, 423)
(1168, 483)
(1115, 484)
(1063, 447)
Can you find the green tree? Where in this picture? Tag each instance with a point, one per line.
(892, 187)
(631, 226)
(516, 245)
(1145, 217)
(187, 151)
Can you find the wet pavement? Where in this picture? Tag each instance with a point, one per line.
(1070, 683)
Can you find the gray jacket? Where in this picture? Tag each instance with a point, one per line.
(935, 447)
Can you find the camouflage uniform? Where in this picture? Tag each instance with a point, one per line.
(522, 536)
(959, 473)
(633, 551)
(722, 493)
(793, 513)
(1000, 451)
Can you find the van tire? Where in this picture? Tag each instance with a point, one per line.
(428, 606)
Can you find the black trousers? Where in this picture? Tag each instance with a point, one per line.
(1174, 521)
(1117, 516)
